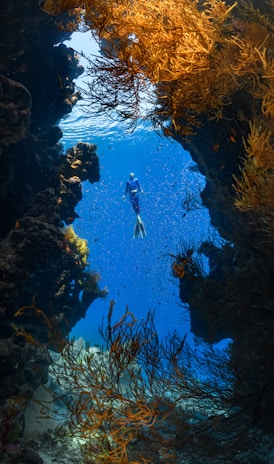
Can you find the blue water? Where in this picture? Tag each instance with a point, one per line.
(137, 273)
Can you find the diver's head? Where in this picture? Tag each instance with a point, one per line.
(131, 175)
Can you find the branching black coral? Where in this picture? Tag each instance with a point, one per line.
(143, 399)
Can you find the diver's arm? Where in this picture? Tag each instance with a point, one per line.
(140, 190)
(126, 190)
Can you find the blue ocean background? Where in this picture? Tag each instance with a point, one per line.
(137, 273)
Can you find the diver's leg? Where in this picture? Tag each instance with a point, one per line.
(132, 201)
(136, 204)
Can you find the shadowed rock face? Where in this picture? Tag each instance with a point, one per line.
(15, 110)
(235, 297)
(40, 186)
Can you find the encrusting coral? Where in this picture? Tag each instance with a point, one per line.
(76, 246)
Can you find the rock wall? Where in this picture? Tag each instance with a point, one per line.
(235, 297)
(44, 286)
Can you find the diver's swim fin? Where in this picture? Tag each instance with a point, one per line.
(136, 230)
(139, 228)
(142, 229)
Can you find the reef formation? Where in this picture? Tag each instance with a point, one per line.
(214, 96)
(43, 263)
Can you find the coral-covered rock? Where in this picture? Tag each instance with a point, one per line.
(43, 289)
(82, 161)
(15, 110)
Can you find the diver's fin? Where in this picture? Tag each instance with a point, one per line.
(139, 228)
(136, 230)
(142, 229)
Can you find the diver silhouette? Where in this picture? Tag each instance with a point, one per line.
(133, 188)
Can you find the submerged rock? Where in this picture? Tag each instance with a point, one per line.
(15, 110)
(43, 289)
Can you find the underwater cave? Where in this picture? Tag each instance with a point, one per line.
(137, 232)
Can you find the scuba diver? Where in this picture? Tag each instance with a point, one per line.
(133, 188)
